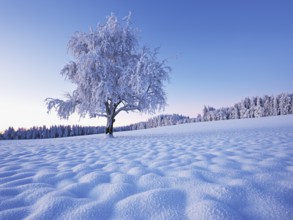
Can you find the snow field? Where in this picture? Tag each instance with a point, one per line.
(240, 169)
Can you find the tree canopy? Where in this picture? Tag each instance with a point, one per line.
(112, 73)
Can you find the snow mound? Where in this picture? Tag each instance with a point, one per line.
(238, 169)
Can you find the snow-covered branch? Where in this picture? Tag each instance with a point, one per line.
(127, 108)
(64, 108)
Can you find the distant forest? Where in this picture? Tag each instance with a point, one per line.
(254, 107)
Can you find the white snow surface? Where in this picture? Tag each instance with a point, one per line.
(236, 169)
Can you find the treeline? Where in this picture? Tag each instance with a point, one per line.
(254, 107)
(76, 130)
(158, 121)
(51, 132)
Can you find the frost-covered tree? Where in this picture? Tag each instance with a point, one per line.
(259, 109)
(9, 133)
(276, 105)
(291, 101)
(112, 74)
(236, 113)
(267, 106)
(245, 108)
(285, 104)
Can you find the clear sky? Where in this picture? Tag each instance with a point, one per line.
(220, 51)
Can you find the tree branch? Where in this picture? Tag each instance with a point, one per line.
(126, 108)
(100, 115)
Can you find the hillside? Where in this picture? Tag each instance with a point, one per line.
(235, 169)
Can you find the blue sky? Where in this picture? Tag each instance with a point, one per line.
(220, 52)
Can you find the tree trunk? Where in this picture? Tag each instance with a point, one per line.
(110, 126)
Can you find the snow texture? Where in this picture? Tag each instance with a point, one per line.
(236, 169)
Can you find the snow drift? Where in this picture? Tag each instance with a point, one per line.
(236, 169)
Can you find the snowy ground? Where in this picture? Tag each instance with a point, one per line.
(238, 169)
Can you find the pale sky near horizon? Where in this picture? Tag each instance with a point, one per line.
(219, 51)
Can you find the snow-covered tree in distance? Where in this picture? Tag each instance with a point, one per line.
(112, 74)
